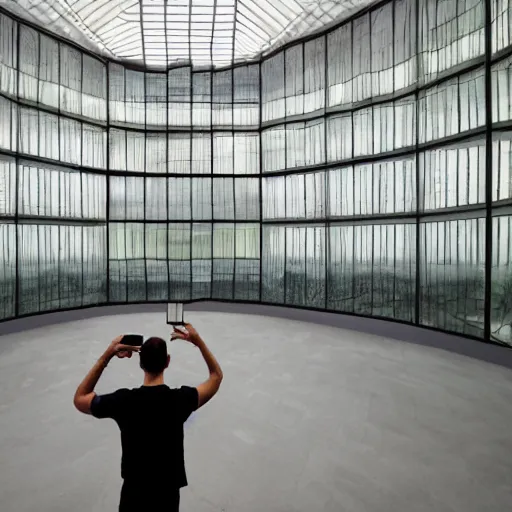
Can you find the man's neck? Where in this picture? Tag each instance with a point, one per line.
(153, 380)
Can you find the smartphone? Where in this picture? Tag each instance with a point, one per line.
(134, 340)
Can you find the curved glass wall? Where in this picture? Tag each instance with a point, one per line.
(365, 171)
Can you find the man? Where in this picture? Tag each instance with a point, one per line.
(150, 419)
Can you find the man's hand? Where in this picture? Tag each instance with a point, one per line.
(85, 392)
(116, 348)
(190, 335)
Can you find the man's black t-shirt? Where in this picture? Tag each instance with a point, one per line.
(151, 422)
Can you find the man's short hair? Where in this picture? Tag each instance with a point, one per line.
(153, 355)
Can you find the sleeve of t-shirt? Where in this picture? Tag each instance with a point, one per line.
(189, 400)
(107, 406)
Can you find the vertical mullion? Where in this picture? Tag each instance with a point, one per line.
(81, 179)
(211, 157)
(233, 295)
(394, 267)
(303, 79)
(107, 178)
(326, 198)
(17, 180)
(167, 164)
(59, 204)
(417, 171)
(190, 168)
(305, 227)
(260, 180)
(125, 224)
(488, 171)
(145, 179)
(285, 126)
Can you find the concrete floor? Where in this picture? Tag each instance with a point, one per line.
(309, 418)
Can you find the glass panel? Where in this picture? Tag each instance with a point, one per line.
(339, 137)
(501, 293)
(382, 50)
(502, 166)
(156, 99)
(405, 44)
(381, 188)
(156, 198)
(135, 97)
(70, 79)
(7, 267)
(222, 107)
(202, 97)
(247, 263)
(501, 24)
(372, 270)
(8, 124)
(452, 262)
(70, 140)
(294, 79)
(157, 273)
(273, 147)
(180, 266)
(223, 149)
(202, 252)
(156, 152)
(362, 85)
(314, 75)
(502, 91)
(246, 90)
(94, 92)
(273, 264)
(8, 56)
(272, 88)
(450, 32)
(179, 87)
(7, 186)
(246, 153)
(60, 266)
(223, 261)
(453, 176)
(28, 63)
(94, 150)
(117, 93)
(127, 264)
(339, 66)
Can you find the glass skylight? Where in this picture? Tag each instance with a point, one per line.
(159, 33)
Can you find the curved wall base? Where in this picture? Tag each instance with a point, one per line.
(395, 330)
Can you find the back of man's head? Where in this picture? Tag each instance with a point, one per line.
(153, 355)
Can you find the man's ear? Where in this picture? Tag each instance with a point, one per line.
(168, 361)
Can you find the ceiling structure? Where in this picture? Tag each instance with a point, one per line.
(160, 33)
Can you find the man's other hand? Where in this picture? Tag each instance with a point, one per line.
(116, 348)
(190, 335)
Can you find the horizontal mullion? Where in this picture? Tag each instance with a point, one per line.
(228, 258)
(55, 111)
(459, 214)
(502, 126)
(184, 221)
(349, 219)
(175, 174)
(501, 55)
(183, 128)
(60, 221)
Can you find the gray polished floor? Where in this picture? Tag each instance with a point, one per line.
(309, 418)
